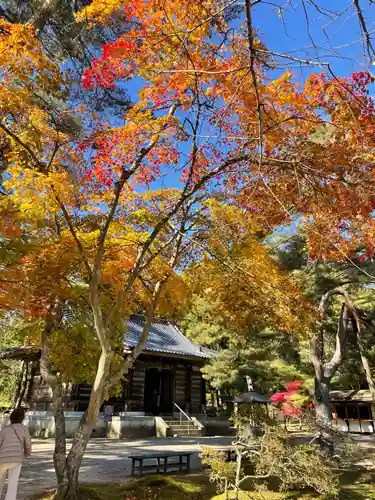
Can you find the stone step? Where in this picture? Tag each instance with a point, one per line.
(185, 423)
(185, 434)
(183, 428)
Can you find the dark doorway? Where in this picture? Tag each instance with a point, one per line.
(158, 391)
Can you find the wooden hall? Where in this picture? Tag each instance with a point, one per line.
(168, 371)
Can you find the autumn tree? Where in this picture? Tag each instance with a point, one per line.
(243, 304)
(69, 43)
(208, 116)
(341, 344)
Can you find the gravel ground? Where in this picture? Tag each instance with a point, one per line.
(105, 460)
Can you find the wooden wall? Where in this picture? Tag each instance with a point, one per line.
(135, 394)
(181, 386)
(196, 388)
(187, 388)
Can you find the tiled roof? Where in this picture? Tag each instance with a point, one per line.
(20, 353)
(251, 397)
(351, 395)
(164, 337)
(341, 395)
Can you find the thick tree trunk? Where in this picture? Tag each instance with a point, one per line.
(102, 383)
(30, 384)
(322, 403)
(323, 410)
(357, 326)
(25, 384)
(324, 371)
(59, 455)
(70, 465)
(68, 482)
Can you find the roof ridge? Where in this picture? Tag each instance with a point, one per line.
(164, 336)
(155, 319)
(185, 337)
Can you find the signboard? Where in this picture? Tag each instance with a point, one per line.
(108, 411)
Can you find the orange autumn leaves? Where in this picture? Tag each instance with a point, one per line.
(318, 138)
(243, 284)
(316, 159)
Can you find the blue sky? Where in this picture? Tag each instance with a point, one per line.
(337, 38)
(343, 48)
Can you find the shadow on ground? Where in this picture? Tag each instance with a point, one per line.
(105, 461)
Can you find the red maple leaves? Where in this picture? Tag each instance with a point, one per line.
(287, 400)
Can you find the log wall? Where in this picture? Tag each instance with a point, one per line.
(135, 398)
(181, 386)
(196, 390)
(186, 388)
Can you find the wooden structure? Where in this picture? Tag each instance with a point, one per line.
(167, 372)
(28, 356)
(353, 411)
(153, 385)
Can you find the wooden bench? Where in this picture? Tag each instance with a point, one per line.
(162, 464)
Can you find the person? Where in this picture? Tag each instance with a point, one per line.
(154, 402)
(15, 446)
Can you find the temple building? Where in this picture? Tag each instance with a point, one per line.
(166, 375)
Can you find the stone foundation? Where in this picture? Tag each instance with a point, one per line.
(41, 424)
(216, 427)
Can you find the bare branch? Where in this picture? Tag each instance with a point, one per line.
(362, 22)
(125, 176)
(31, 153)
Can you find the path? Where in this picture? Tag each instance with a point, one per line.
(105, 460)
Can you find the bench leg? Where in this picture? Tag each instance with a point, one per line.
(165, 464)
(140, 467)
(133, 467)
(188, 462)
(158, 459)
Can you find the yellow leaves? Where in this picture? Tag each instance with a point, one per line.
(81, 108)
(100, 11)
(36, 194)
(142, 215)
(240, 277)
(21, 57)
(30, 81)
(285, 77)
(89, 238)
(114, 270)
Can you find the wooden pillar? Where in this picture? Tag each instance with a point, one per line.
(180, 385)
(138, 385)
(203, 392)
(188, 387)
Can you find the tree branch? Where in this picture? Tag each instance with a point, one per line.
(125, 176)
(362, 23)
